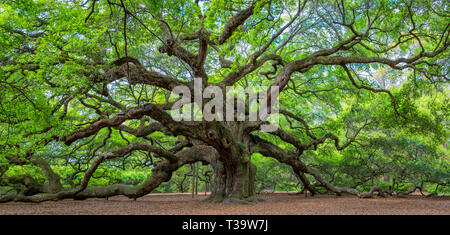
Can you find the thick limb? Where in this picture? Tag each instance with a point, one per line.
(160, 173)
(271, 150)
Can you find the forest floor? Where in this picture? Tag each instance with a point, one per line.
(276, 203)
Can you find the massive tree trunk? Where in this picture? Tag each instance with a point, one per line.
(234, 174)
(233, 182)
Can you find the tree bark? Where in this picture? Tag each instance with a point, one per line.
(234, 176)
(233, 183)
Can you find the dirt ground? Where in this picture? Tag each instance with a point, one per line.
(278, 203)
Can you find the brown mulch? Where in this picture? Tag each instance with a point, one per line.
(278, 203)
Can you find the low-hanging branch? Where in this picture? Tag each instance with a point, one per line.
(160, 173)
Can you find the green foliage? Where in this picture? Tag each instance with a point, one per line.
(272, 176)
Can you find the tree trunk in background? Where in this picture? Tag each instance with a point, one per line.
(193, 178)
(196, 177)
